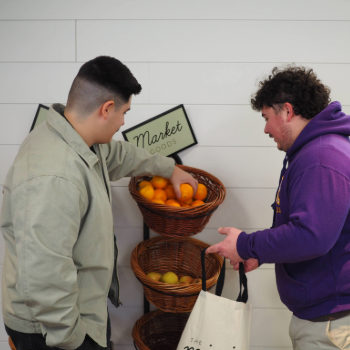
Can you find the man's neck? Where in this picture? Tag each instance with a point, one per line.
(81, 127)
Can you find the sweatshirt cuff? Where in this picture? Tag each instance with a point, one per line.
(243, 246)
(165, 166)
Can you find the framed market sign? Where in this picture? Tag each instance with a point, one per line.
(40, 116)
(167, 133)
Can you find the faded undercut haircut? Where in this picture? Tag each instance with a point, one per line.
(98, 81)
(298, 86)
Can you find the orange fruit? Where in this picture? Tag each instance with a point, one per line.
(189, 202)
(171, 201)
(160, 194)
(144, 183)
(147, 192)
(159, 201)
(185, 206)
(186, 192)
(174, 204)
(197, 203)
(169, 190)
(201, 193)
(159, 182)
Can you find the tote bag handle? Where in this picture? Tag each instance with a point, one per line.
(242, 297)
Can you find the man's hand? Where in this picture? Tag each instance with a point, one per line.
(180, 177)
(249, 265)
(228, 247)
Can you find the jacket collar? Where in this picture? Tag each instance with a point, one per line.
(67, 132)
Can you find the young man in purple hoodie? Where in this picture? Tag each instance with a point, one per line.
(309, 241)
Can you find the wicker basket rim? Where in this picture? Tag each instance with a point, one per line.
(178, 289)
(160, 208)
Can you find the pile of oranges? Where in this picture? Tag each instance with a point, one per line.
(159, 190)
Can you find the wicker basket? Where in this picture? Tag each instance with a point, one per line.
(12, 346)
(181, 255)
(174, 221)
(158, 330)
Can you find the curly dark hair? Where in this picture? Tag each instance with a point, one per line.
(298, 86)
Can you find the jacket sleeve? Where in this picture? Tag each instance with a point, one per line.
(47, 213)
(319, 205)
(124, 159)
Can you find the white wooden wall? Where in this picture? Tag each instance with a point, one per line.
(208, 55)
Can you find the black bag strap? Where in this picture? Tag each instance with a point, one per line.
(242, 297)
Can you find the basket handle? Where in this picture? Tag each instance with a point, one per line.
(242, 297)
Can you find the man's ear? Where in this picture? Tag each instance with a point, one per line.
(289, 110)
(106, 108)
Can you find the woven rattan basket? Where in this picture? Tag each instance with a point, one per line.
(158, 330)
(175, 221)
(181, 255)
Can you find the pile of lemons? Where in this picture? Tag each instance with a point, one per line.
(171, 278)
(159, 190)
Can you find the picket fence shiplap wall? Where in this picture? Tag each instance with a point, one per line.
(208, 55)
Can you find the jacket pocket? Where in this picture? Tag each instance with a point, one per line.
(291, 291)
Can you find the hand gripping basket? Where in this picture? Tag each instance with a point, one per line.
(181, 255)
(174, 221)
(158, 330)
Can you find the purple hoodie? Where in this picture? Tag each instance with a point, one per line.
(310, 238)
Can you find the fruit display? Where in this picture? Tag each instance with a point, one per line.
(160, 191)
(168, 215)
(170, 270)
(171, 278)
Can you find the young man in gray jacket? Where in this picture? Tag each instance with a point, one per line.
(56, 217)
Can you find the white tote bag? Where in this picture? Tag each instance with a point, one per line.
(217, 323)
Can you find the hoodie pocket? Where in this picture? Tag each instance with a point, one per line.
(291, 291)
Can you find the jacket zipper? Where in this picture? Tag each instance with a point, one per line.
(114, 247)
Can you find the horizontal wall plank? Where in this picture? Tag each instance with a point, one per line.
(127, 239)
(270, 327)
(213, 41)
(4, 345)
(50, 82)
(213, 125)
(262, 288)
(229, 125)
(122, 323)
(3, 334)
(16, 121)
(228, 83)
(236, 166)
(131, 291)
(248, 167)
(181, 9)
(242, 208)
(39, 41)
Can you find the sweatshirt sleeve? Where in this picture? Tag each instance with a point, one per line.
(124, 159)
(319, 205)
(47, 213)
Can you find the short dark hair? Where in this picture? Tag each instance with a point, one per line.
(99, 80)
(298, 86)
